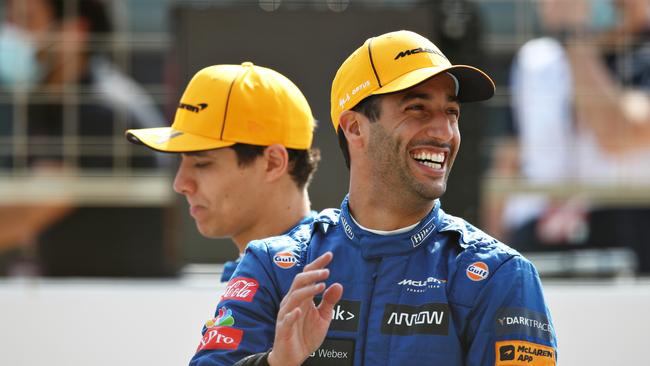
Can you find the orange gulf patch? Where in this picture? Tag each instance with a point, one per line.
(477, 271)
(520, 353)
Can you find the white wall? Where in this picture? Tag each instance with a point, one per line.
(83, 322)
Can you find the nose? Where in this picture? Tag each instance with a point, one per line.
(183, 182)
(441, 126)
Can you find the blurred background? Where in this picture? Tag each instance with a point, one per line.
(101, 263)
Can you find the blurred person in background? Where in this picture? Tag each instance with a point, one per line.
(73, 99)
(244, 134)
(581, 110)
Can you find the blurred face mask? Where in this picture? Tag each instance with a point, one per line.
(19, 66)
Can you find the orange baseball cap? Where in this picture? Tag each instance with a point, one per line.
(396, 61)
(228, 104)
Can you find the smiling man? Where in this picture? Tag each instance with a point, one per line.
(406, 283)
(244, 133)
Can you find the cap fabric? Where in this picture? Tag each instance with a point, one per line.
(228, 104)
(396, 61)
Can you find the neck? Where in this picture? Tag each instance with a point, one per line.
(376, 209)
(279, 213)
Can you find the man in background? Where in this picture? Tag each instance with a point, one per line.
(244, 133)
(67, 107)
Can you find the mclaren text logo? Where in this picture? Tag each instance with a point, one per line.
(419, 50)
(421, 286)
(193, 108)
(424, 319)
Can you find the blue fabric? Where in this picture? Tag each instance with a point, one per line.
(230, 266)
(408, 298)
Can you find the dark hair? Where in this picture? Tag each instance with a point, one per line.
(93, 11)
(302, 163)
(369, 107)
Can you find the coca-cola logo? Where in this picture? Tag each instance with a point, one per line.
(241, 288)
(220, 338)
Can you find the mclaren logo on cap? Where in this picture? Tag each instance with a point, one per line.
(193, 108)
(418, 50)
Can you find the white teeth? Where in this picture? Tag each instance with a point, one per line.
(432, 165)
(430, 157)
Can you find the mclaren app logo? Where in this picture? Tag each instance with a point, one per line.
(193, 108)
(507, 353)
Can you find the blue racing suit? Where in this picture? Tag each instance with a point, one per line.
(442, 293)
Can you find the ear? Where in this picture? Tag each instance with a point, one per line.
(276, 158)
(351, 124)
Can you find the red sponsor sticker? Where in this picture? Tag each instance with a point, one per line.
(241, 288)
(477, 271)
(285, 260)
(220, 338)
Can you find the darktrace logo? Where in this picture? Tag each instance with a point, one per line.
(523, 321)
(507, 353)
(418, 50)
(193, 108)
(425, 319)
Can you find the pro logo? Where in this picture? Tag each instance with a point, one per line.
(477, 271)
(220, 337)
(241, 288)
(285, 260)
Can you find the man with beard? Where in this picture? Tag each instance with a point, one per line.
(406, 283)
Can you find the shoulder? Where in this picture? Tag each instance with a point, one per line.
(482, 260)
(289, 250)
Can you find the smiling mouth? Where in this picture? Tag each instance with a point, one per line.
(430, 159)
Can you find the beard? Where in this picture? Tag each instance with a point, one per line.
(390, 172)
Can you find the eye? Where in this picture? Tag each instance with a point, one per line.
(202, 164)
(454, 112)
(415, 107)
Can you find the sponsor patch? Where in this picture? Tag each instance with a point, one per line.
(347, 228)
(421, 286)
(477, 271)
(518, 353)
(220, 337)
(240, 288)
(424, 319)
(333, 352)
(345, 316)
(224, 317)
(523, 321)
(285, 260)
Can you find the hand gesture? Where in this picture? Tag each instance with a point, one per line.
(301, 325)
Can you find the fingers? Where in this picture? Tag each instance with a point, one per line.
(331, 296)
(297, 297)
(285, 324)
(307, 278)
(319, 262)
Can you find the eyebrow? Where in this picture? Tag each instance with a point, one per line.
(409, 96)
(196, 154)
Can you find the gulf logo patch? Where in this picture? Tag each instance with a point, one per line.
(285, 260)
(477, 271)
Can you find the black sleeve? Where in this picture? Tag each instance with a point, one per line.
(258, 359)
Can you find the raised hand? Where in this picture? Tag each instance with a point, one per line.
(301, 326)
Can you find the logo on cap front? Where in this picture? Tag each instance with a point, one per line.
(193, 108)
(413, 51)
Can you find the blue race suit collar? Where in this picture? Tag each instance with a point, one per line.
(375, 245)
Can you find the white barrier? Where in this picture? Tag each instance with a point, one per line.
(89, 322)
